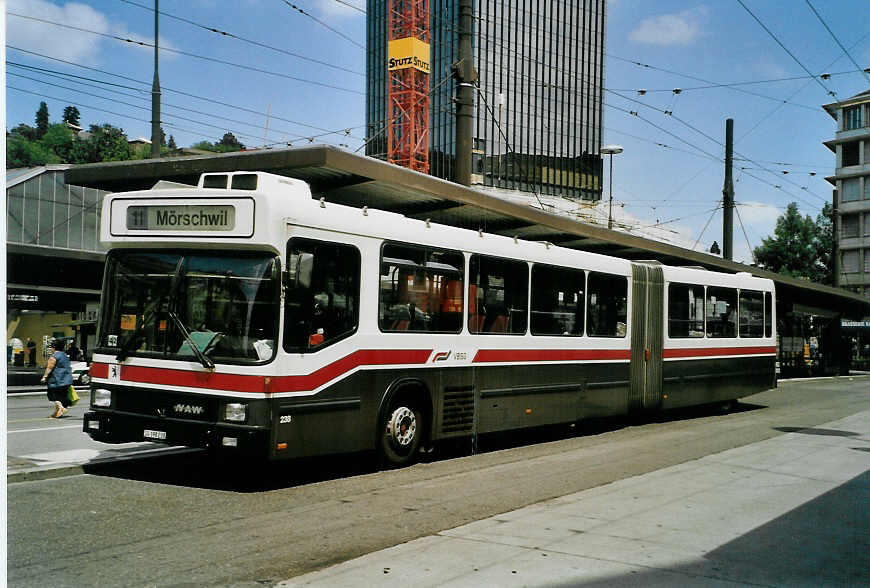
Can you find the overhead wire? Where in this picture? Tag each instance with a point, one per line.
(707, 136)
(240, 38)
(188, 54)
(145, 108)
(784, 48)
(840, 45)
(348, 4)
(296, 135)
(745, 236)
(164, 88)
(320, 22)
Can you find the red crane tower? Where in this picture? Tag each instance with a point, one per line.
(408, 83)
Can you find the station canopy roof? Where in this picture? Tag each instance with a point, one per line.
(355, 180)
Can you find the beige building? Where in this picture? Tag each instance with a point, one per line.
(852, 181)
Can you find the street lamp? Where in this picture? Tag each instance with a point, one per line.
(611, 150)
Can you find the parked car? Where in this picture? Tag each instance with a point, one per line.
(81, 373)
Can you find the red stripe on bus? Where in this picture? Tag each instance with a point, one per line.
(710, 351)
(189, 379)
(508, 355)
(348, 363)
(265, 384)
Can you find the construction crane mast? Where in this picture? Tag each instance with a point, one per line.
(408, 83)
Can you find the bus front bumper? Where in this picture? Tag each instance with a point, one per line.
(117, 427)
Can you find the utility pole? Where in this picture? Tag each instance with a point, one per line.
(728, 194)
(464, 74)
(155, 95)
(835, 228)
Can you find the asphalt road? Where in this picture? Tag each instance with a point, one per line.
(33, 438)
(182, 520)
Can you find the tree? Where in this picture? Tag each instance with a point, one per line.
(42, 119)
(106, 143)
(59, 140)
(24, 131)
(71, 115)
(172, 144)
(204, 146)
(21, 152)
(229, 143)
(799, 247)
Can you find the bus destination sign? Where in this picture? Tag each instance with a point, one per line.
(189, 217)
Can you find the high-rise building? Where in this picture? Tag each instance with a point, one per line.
(538, 102)
(852, 180)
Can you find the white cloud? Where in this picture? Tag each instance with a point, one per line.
(343, 9)
(759, 214)
(682, 28)
(65, 43)
(55, 41)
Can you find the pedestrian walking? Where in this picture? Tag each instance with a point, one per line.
(58, 378)
(31, 352)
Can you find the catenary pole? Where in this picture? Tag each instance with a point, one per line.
(463, 72)
(728, 194)
(155, 94)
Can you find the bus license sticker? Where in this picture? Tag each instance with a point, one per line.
(149, 434)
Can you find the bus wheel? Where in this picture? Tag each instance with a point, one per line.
(402, 430)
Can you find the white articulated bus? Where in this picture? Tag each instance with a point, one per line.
(246, 316)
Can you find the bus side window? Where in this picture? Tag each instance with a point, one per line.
(751, 314)
(557, 301)
(321, 304)
(685, 310)
(607, 305)
(721, 312)
(420, 289)
(498, 295)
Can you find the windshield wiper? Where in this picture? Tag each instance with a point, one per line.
(205, 361)
(147, 315)
(149, 312)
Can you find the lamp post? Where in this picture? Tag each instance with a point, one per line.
(611, 150)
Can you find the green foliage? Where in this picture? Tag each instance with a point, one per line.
(106, 143)
(21, 152)
(24, 131)
(204, 146)
(800, 247)
(42, 119)
(71, 115)
(230, 143)
(28, 146)
(59, 140)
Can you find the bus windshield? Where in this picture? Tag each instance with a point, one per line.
(208, 307)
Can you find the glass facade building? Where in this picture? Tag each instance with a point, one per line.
(537, 110)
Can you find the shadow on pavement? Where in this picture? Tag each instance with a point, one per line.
(815, 431)
(824, 542)
(199, 469)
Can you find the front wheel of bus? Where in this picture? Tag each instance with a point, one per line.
(402, 429)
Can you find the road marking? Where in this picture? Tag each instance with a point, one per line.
(43, 429)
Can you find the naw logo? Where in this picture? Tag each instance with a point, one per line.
(188, 409)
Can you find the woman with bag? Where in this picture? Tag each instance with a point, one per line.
(58, 378)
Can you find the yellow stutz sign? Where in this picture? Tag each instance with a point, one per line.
(408, 52)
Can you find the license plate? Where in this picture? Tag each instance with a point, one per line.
(148, 434)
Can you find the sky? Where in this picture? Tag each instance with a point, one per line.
(293, 72)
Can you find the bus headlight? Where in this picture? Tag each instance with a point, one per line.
(102, 397)
(236, 412)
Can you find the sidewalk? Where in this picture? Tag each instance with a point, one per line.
(789, 511)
